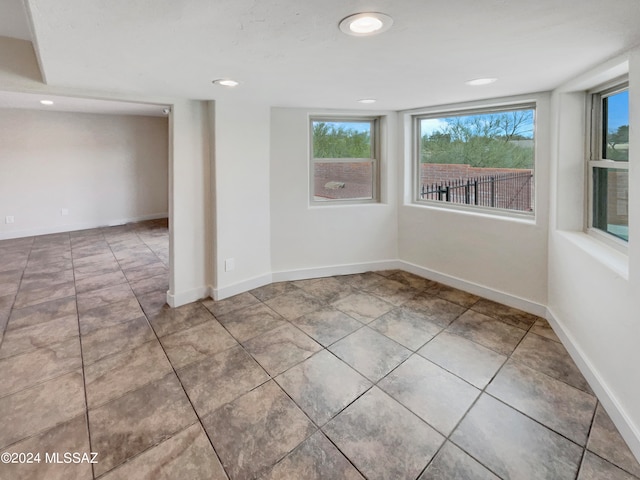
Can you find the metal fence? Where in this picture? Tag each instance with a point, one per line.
(511, 191)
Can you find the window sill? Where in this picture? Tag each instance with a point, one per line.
(608, 256)
(457, 209)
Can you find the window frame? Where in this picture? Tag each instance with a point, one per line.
(531, 104)
(374, 159)
(594, 156)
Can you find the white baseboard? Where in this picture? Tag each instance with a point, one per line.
(240, 287)
(485, 292)
(626, 427)
(320, 272)
(78, 226)
(182, 298)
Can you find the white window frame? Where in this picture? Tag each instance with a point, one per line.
(594, 156)
(374, 159)
(474, 110)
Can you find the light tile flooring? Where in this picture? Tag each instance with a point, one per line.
(380, 375)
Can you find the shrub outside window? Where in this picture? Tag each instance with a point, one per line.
(344, 160)
(483, 158)
(609, 162)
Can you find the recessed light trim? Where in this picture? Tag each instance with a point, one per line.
(476, 82)
(367, 100)
(46, 102)
(365, 24)
(226, 82)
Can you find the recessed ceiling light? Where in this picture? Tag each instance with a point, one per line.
(226, 82)
(480, 81)
(363, 24)
(46, 102)
(367, 100)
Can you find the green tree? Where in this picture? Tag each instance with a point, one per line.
(337, 140)
(618, 144)
(503, 140)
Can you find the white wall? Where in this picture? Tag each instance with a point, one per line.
(190, 208)
(105, 169)
(594, 299)
(323, 240)
(498, 257)
(241, 196)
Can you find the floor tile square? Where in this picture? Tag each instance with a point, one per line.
(363, 307)
(370, 353)
(436, 309)
(188, 454)
(360, 280)
(220, 307)
(322, 386)
(315, 459)
(196, 343)
(109, 315)
(453, 295)
(295, 304)
(410, 280)
(27, 298)
(171, 320)
(220, 379)
(435, 395)
(115, 339)
(514, 446)
(452, 463)
(153, 302)
(551, 358)
(256, 430)
(466, 359)
(406, 327)
(509, 315)
(390, 291)
(553, 403)
(104, 296)
(42, 312)
(606, 441)
(26, 339)
(41, 407)
(117, 374)
(140, 419)
(596, 468)
(273, 290)
(327, 325)
(542, 328)
(327, 289)
(281, 348)
(22, 371)
(487, 331)
(382, 438)
(251, 321)
(70, 436)
(101, 281)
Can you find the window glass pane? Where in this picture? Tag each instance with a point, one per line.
(615, 126)
(484, 159)
(342, 139)
(611, 201)
(343, 181)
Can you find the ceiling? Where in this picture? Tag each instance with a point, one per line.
(292, 53)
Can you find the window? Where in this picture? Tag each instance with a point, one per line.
(609, 162)
(480, 158)
(344, 160)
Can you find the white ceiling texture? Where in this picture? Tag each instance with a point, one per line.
(292, 53)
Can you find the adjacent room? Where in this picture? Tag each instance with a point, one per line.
(282, 240)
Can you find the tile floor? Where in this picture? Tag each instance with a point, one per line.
(378, 375)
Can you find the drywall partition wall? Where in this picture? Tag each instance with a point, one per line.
(190, 209)
(593, 299)
(241, 197)
(308, 241)
(499, 257)
(69, 171)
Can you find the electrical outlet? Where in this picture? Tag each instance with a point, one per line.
(229, 264)
(64, 211)
(9, 219)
